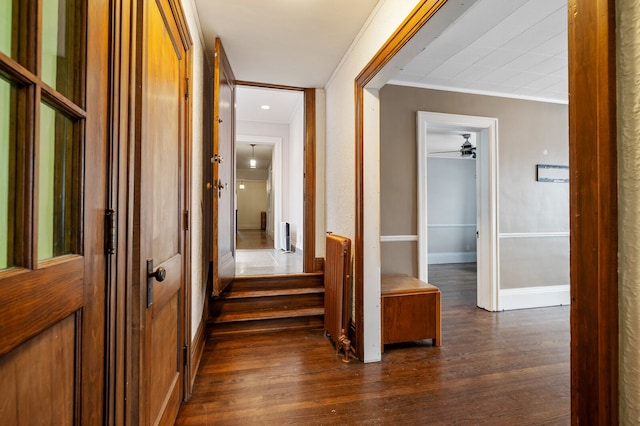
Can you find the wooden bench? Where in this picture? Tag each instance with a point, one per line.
(410, 310)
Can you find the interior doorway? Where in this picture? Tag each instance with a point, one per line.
(269, 190)
(482, 131)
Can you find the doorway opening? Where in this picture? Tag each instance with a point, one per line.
(269, 190)
(458, 197)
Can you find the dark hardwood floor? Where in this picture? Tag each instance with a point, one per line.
(508, 368)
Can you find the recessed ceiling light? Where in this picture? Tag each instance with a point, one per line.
(265, 107)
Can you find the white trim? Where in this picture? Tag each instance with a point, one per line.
(453, 257)
(372, 342)
(397, 238)
(534, 297)
(487, 196)
(451, 225)
(478, 92)
(508, 235)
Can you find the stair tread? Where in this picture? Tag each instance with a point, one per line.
(239, 294)
(271, 282)
(268, 314)
(286, 277)
(265, 326)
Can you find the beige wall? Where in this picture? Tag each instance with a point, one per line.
(628, 69)
(252, 200)
(529, 133)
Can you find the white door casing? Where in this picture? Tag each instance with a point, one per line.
(487, 197)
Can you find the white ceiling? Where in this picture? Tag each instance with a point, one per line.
(288, 42)
(512, 48)
(282, 103)
(249, 101)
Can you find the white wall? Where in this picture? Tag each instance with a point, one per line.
(340, 149)
(628, 64)
(451, 210)
(295, 214)
(198, 278)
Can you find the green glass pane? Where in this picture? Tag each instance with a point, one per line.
(58, 185)
(8, 146)
(61, 46)
(6, 26)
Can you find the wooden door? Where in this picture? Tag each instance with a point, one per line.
(160, 205)
(223, 172)
(53, 146)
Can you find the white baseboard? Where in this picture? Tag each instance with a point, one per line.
(534, 297)
(454, 257)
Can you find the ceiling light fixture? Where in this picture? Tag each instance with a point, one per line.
(252, 162)
(265, 107)
(241, 185)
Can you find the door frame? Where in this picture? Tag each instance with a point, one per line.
(488, 295)
(125, 294)
(310, 262)
(593, 199)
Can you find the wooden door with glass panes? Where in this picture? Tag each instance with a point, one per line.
(53, 107)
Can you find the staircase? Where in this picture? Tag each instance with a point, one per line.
(262, 304)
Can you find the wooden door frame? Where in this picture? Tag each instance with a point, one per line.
(222, 71)
(310, 262)
(125, 294)
(593, 196)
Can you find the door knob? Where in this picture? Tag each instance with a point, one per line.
(209, 186)
(159, 274)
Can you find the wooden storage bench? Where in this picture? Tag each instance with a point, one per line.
(410, 310)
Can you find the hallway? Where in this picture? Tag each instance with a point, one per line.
(255, 255)
(505, 368)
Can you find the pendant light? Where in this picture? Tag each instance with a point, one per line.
(252, 162)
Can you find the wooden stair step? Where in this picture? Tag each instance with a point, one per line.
(273, 282)
(232, 329)
(239, 294)
(267, 314)
(247, 304)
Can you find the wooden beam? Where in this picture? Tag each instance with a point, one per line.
(594, 226)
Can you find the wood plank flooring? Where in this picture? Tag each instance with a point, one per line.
(253, 239)
(508, 368)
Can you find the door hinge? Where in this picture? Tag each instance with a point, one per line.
(186, 91)
(185, 220)
(110, 231)
(185, 350)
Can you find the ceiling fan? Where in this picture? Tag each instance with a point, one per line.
(466, 149)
